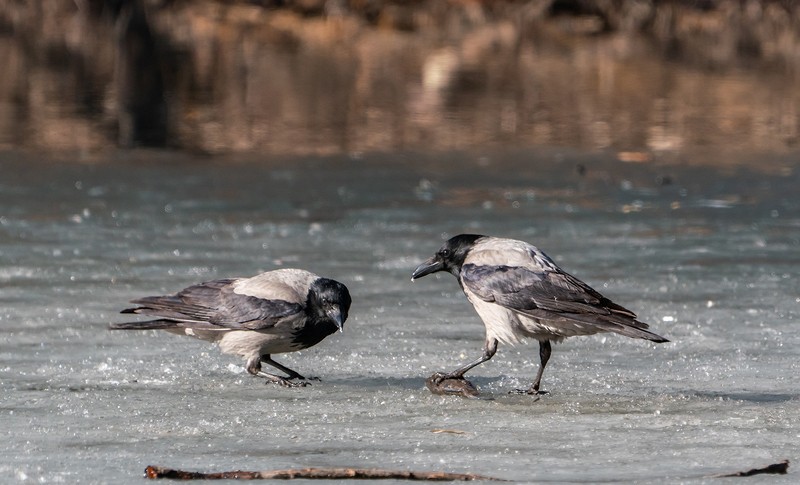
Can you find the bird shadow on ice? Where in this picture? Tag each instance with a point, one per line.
(489, 388)
(407, 383)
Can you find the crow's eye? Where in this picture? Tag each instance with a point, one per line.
(444, 253)
(325, 300)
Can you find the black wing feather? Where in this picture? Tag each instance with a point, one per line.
(242, 311)
(523, 289)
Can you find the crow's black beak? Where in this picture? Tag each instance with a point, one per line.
(430, 266)
(335, 314)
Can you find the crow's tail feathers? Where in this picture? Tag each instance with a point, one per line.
(162, 324)
(617, 323)
(635, 332)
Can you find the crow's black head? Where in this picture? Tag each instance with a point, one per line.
(450, 256)
(329, 299)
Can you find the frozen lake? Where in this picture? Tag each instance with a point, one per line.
(709, 257)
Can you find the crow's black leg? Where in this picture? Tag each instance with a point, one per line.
(544, 356)
(489, 349)
(289, 372)
(253, 366)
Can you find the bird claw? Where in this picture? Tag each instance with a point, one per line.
(529, 392)
(438, 377)
(282, 381)
(287, 383)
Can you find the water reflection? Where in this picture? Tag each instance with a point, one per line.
(222, 78)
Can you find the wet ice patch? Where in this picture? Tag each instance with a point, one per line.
(77, 393)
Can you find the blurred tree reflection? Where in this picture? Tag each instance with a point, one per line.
(143, 114)
(331, 76)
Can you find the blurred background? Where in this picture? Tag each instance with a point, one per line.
(351, 76)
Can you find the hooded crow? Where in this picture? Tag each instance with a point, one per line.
(278, 311)
(519, 292)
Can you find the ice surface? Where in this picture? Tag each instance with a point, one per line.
(712, 261)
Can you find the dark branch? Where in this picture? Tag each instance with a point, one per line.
(776, 469)
(154, 472)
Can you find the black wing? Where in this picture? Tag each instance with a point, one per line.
(551, 294)
(215, 303)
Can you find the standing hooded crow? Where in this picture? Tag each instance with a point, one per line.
(278, 311)
(518, 292)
